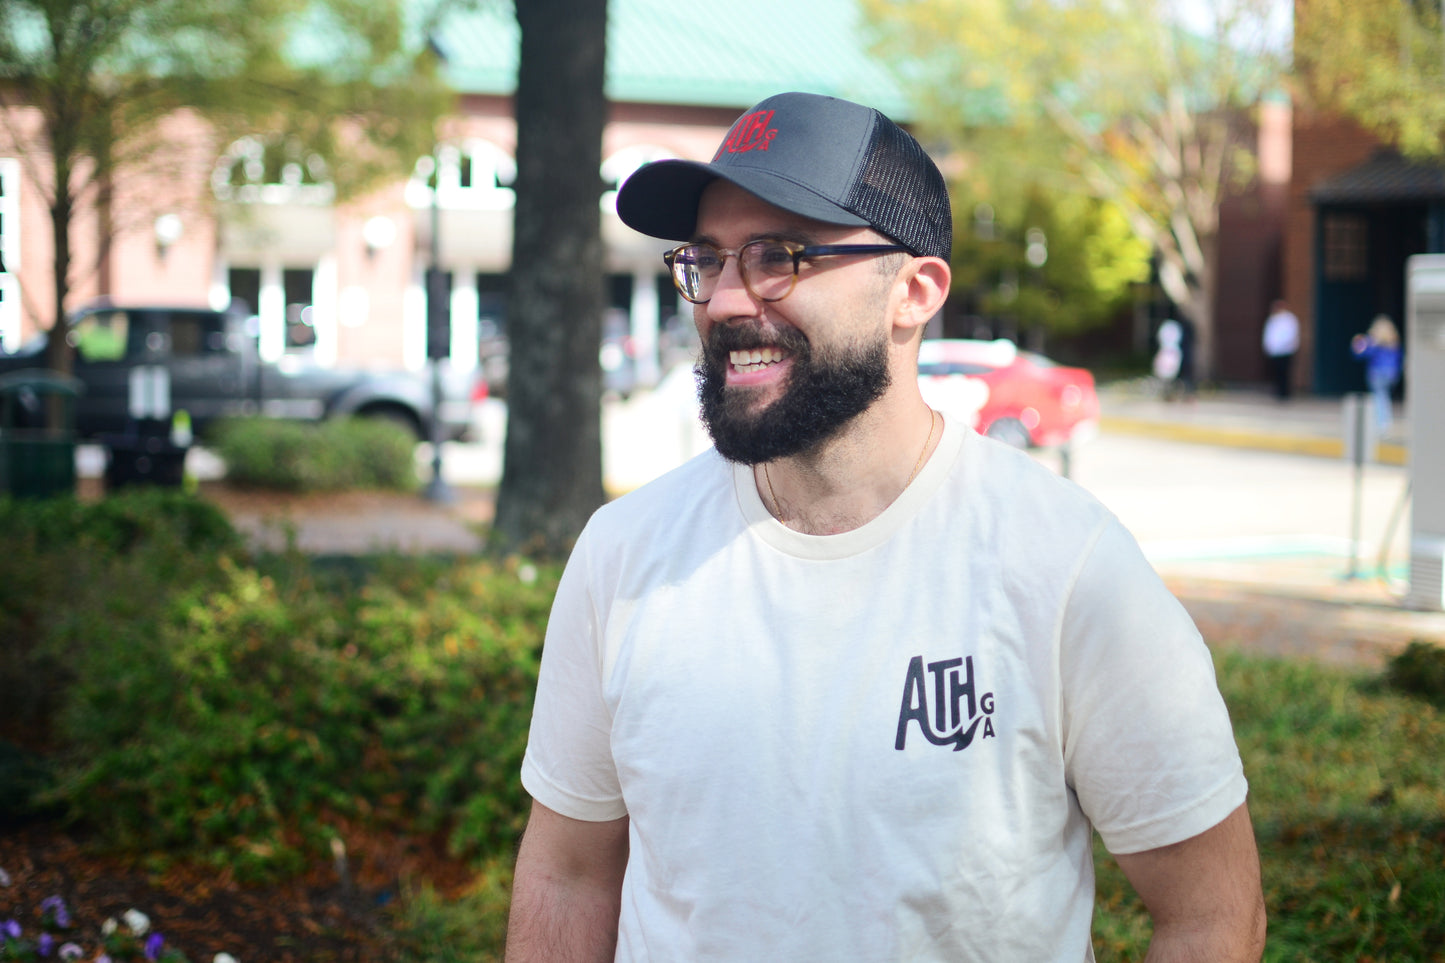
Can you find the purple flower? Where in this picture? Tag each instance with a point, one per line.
(54, 907)
(11, 929)
(45, 944)
(154, 942)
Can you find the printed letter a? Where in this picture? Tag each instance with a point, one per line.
(915, 702)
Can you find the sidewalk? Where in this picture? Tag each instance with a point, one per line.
(1316, 599)
(1245, 418)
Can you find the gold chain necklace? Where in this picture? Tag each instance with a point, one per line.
(777, 508)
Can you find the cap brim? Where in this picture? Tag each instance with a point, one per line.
(660, 199)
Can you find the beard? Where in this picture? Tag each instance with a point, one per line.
(824, 391)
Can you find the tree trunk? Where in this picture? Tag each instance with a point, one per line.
(552, 476)
(58, 356)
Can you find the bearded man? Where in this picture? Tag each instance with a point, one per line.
(859, 684)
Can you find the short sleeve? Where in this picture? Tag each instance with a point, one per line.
(568, 765)
(1148, 746)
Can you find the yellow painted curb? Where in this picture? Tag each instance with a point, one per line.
(1386, 453)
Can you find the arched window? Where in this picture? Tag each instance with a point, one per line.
(473, 175)
(271, 171)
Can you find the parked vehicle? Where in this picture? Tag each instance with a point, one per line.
(210, 367)
(1018, 397)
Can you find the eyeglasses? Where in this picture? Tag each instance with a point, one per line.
(769, 267)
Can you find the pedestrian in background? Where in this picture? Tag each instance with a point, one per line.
(1174, 362)
(1379, 349)
(1281, 343)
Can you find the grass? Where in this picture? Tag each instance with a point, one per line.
(1347, 793)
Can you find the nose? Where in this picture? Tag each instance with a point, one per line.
(731, 298)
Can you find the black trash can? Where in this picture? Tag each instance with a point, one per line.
(144, 454)
(37, 461)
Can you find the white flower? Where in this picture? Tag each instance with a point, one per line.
(224, 958)
(138, 922)
(109, 926)
(4, 877)
(527, 573)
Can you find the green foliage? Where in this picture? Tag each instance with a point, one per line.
(194, 703)
(331, 455)
(24, 776)
(469, 929)
(1346, 793)
(1104, 98)
(352, 80)
(1392, 81)
(253, 708)
(73, 570)
(1091, 257)
(1420, 670)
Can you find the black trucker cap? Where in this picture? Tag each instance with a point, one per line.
(824, 158)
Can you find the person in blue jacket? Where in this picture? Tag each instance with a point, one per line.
(1379, 349)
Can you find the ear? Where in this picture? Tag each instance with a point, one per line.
(924, 282)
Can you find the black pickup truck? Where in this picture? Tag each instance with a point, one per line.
(214, 370)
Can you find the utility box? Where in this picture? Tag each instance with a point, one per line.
(1425, 405)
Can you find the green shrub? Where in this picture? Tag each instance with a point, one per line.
(469, 929)
(120, 523)
(237, 723)
(1420, 670)
(24, 777)
(73, 571)
(331, 455)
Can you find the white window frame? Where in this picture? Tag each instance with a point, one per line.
(249, 155)
(493, 173)
(10, 252)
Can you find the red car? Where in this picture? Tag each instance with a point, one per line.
(1016, 396)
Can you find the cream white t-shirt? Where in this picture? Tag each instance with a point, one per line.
(889, 744)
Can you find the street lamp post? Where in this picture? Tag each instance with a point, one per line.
(438, 341)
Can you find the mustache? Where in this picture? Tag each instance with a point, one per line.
(728, 337)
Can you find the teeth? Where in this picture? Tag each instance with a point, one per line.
(755, 359)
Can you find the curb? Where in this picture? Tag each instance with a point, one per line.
(1386, 453)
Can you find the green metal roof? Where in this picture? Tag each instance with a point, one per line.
(730, 54)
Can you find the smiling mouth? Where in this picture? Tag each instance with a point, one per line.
(754, 360)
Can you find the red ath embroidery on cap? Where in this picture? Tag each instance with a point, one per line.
(749, 133)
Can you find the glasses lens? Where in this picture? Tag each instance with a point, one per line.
(768, 267)
(695, 269)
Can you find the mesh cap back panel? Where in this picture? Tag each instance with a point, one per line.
(902, 194)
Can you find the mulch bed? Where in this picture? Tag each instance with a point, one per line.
(318, 917)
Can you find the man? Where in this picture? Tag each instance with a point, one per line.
(1281, 342)
(859, 684)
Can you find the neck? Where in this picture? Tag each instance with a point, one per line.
(850, 480)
